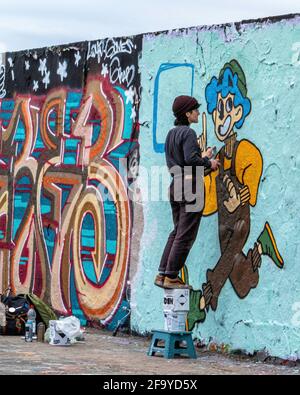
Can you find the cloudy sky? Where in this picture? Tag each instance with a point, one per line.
(34, 23)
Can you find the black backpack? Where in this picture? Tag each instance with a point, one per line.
(16, 308)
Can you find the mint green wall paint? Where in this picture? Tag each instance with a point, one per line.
(267, 51)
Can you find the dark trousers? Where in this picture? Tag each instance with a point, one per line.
(181, 239)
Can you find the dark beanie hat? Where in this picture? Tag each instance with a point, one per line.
(183, 104)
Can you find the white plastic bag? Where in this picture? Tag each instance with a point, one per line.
(47, 336)
(70, 326)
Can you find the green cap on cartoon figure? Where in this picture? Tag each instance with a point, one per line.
(235, 68)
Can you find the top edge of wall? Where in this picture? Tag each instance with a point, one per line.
(238, 26)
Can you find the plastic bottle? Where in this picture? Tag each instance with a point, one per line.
(31, 316)
(28, 331)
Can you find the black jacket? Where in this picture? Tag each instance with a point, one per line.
(182, 149)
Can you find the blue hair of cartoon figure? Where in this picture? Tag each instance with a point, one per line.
(228, 84)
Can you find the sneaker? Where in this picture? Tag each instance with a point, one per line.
(269, 247)
(171, 283)
(159, 280)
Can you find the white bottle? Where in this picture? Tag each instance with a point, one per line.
(28, 331)
(31, 316)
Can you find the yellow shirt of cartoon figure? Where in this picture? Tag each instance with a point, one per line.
(248, 168)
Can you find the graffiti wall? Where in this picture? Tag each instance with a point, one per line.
(243, 264)
(68, 132)
(84, 211)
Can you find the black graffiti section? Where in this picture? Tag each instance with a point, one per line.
(39, 70)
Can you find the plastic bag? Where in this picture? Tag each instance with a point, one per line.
(70, 326)
(47, 336)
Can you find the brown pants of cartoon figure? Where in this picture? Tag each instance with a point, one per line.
(233, 263)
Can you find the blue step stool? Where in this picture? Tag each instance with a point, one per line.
(172, 344)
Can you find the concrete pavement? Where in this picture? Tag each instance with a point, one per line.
(101, 353)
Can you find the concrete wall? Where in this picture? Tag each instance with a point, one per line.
(72, 115)
(255, 310)
(69, 131)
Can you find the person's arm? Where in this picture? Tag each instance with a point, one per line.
(192, 153)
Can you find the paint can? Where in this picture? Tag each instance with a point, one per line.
(175, 321)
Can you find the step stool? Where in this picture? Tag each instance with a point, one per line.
(172, 342)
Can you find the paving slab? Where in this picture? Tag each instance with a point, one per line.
(104, 354)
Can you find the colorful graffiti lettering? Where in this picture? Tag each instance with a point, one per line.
(65, 217)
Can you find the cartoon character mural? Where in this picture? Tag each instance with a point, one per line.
(230, 192)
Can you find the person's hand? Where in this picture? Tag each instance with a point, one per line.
(208, 153)
(215, 163)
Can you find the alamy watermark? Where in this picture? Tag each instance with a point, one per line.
(184, 185)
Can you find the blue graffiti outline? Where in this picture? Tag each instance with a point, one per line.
(160, 147)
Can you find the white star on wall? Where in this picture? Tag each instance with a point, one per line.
(133, 114)
(104, 70)
(11, 64)
(62, 70)
(46, 79)
(129, 95)
(35, 85)
(77, 58)
(43, 68)
(27, 65)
